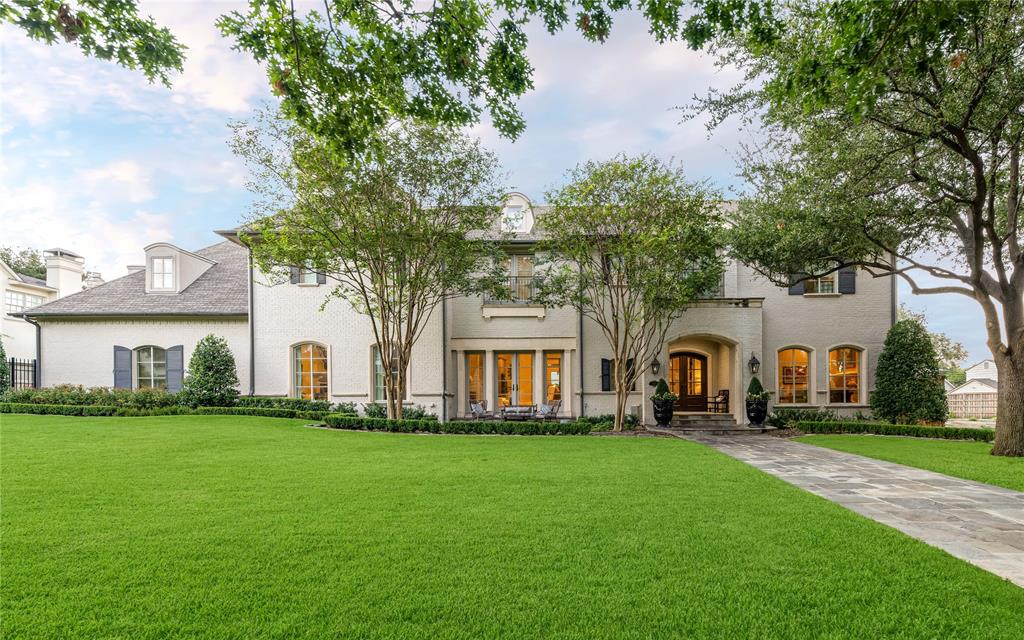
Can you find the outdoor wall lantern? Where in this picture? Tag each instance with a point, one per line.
(655, 366)
(754, 364)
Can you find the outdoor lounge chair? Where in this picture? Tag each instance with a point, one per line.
(720, 403)
(479, 411)
(549, 411)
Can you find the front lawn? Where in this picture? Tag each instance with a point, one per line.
(970, 460)
(225, 526)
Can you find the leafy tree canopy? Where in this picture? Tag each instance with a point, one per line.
(949, 352)
(103, 29)
(345, 69)
(29, 262)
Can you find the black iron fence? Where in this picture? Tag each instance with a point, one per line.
(24, 374)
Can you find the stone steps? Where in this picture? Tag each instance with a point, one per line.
(710, 424)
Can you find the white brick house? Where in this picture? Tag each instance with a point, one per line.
(817, 342)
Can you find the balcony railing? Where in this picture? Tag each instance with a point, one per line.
(521, 289)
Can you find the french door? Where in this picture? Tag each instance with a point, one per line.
(688, 379)
(515, 378)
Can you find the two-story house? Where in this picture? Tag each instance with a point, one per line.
(815, 344)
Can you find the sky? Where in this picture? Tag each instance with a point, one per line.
(95, 159)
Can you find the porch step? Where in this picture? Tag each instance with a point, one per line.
(710, 424)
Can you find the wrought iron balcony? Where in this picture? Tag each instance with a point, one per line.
(520, 289)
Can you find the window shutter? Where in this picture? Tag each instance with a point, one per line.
(797, 288)
(321, 278)
(122, 368)
(848, 280)
(295, 275)
(175, 368)
(606, 374)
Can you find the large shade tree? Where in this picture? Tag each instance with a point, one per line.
(896, 135)
(394, 234)
(629, 243)
(343, 69)
(103, 29)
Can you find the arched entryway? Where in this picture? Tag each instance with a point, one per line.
(688, 379)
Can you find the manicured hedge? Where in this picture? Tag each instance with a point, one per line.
(67, 394)
(131, 412)
(298, 404)
(526, 428)
(883, 429)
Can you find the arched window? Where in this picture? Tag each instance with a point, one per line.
(310, 371)
(151, 368)
(794, 374)
(844, 376)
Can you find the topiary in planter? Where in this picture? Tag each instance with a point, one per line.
(664, 402)
(757, 402)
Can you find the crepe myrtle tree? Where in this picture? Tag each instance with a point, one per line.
(629, 243)
(394, 233)
(895, 136)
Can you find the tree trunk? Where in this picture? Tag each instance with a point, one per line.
(621, 400)
(1010, 408)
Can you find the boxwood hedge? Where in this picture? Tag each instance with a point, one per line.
(526, 428)
(884, 429)
(132, 412)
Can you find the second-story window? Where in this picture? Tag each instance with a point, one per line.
(307, 276)
(824, 284)
(520, 272)
(15, 302)
(163, 273)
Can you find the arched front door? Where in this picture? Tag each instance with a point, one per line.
(688, 379)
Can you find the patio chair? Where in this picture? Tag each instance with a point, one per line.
(479, 411)
(720, 403)
(549, 411)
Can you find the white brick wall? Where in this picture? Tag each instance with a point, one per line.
(82, 351)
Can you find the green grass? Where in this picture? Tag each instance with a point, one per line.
(224, 526)
(970, 460)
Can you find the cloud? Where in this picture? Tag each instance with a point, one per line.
(122, 180)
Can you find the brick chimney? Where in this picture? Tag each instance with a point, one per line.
(64, 271)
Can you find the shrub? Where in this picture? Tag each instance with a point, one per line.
(300, 404)
(79, 395)
(417, 412)
(786, 416)
(459, 427)
(375, 410)
(128, 412)
(908, 380)
(5, 370)
(212, 379)
(885, 429)
(629, 423)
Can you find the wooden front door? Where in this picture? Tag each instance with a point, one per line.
(688, 379)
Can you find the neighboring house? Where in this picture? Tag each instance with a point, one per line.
(978, 397)
(64, 276)
(817, 342)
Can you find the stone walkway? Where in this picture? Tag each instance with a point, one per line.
(976, 522)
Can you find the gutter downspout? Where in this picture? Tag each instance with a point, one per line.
(893, 313)
(444, 360)
(252, 333)
(37, 383)
(582, 395)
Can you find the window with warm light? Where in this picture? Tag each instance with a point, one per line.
(793, 376)
(844, 376)
(552, 377)
(475, 377)
(310, 371)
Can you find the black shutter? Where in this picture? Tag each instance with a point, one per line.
(797, 288)
(295, 275)
(175, 368)
(848, 280)
(606, 374)
(122, 368)
(321, 278)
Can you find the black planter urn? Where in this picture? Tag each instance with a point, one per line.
(663, 411)
(757, 411)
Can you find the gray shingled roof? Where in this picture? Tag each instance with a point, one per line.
(27, 279)
(222, 290)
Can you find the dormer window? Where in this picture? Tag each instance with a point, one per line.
(162, 270)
